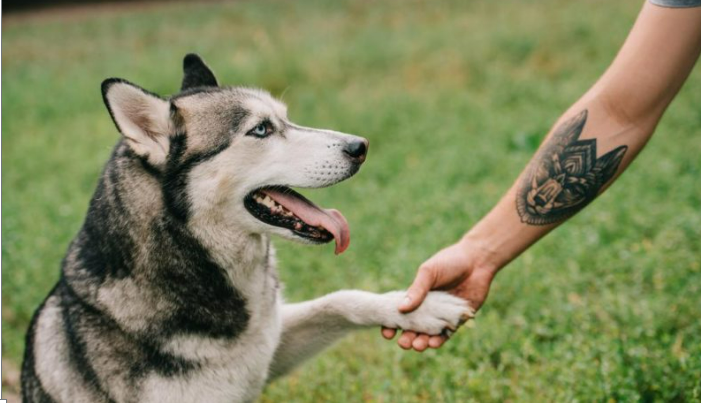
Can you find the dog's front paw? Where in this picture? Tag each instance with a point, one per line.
(438, 312)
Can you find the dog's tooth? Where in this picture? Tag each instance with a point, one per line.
(298, 226)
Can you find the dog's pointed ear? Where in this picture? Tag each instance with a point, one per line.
(143, 118)
(197, 74)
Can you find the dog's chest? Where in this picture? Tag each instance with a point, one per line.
(229, 370)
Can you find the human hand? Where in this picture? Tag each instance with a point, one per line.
(459, 269)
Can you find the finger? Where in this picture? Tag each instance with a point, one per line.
(436, 341)
(420, 343)
(419, 288)
(406, 339)
(388, 333)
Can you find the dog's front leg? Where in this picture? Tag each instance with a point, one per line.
(309, 327)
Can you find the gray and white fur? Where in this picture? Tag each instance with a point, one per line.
(169, 291)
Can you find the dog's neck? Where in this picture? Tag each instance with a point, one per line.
(209, 280)
(240, 253)
(129, 229)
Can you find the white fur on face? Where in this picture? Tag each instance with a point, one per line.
(293, 156)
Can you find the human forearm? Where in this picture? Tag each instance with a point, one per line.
(597, 138)
(581, 156)
(579, 159)
(589, 147)
(652, 65)
(584, 153)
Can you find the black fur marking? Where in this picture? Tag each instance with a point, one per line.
(150, 169)
(208, 304)
(73, 313)
(238, 115)
(197, 74)
(177, 171)
(32, 389)
(105, 246)
(115, 191)
(175, 179)
(147, 355)
(143, 161)
(162, 363)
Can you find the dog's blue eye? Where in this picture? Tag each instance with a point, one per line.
(262, 130)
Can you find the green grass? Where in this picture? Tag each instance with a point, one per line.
(454, 97)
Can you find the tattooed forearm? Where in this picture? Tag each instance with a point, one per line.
(565, 175)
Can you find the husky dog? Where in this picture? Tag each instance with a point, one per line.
(169, 292)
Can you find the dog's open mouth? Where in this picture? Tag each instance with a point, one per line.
(283, 207)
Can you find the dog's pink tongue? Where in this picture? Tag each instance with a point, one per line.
(332, 220)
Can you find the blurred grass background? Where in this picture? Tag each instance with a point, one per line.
(454, 97)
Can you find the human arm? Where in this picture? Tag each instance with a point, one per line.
(588, 148)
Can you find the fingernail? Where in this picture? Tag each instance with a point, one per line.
(407, 301)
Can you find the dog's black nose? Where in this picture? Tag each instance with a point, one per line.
(357, 150)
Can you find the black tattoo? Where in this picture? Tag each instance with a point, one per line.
(565, 175)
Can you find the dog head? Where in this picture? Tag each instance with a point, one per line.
(230, 155)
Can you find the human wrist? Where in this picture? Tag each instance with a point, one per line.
(482, 256)
(499, 237)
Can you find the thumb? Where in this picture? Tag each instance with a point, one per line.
(416, 294)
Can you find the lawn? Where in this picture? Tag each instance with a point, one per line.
(454, 97)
